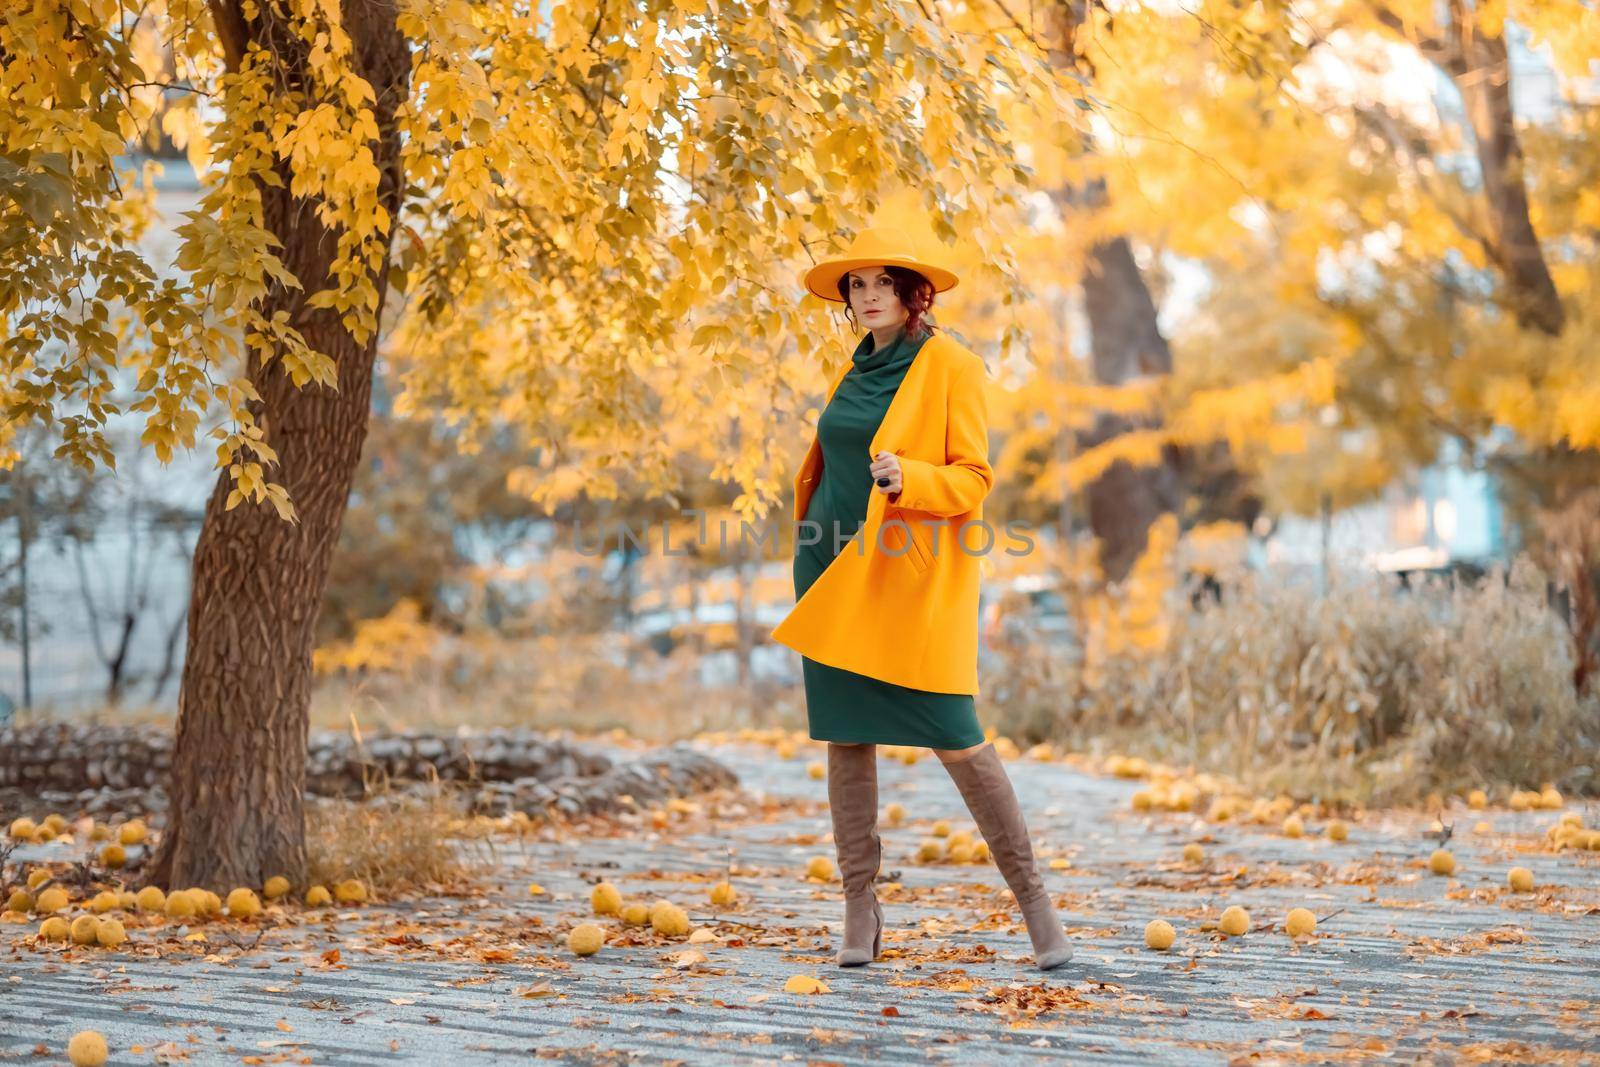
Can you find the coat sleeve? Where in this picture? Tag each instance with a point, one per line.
(964, 479)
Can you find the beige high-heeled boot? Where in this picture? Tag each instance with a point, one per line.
(987, 790)
(853, 803)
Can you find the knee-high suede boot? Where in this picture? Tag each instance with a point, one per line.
(987, 790)
(853, 802)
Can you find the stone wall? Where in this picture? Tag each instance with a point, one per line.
(102, 769)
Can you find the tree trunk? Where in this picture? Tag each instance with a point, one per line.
(1126, 342)
(1481, 71)
(236, 814)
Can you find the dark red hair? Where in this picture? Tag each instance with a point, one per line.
(914, 290)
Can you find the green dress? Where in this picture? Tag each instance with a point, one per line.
(842, 705)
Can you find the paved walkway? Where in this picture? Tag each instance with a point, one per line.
(1407, 966)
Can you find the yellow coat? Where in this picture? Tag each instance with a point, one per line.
(908, 615)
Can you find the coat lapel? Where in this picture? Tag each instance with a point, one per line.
(905, 403)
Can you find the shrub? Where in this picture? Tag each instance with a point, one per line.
(1366, 692)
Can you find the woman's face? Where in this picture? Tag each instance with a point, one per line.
(873, 299)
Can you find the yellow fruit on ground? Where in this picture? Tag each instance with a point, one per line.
(1193, 853)
(85, 930)
(1519, 800)
(38, 877)
(784, 749)
(1477, 800)
(113, 855)
(56, 822)
(960, 837)
(941, 829)
(895, 813)
(20, 900)
(605, 899)
(1338, 830)
(1299, 922)
(50, 900)
(1142, 800)
(127, 900)
(1159, 935)
(1221, 810)
(110, 933)
(1551, 799)
(206, 903)
(104, 901)
(1563, 837)
(536, 890)
(1235, 921)
(23, 829)
(960, 852)
(45, 834)
(243, 903)
(930, 851)
(1481, 827)
(585, 939)
(151, 898)
(87, 1049)
(99, 831)
(816, 770)
(318, 897)
(723, 894)
(133, 832)
(668, 920)
(635, 914)
(1520, 879)
(805, 984)
(1570, 818)
(1293, 827)
(820, 869)
(55, 928)
(910, 756)
(1442, 862)
(179, 905)
(350, 891)
(980, 852)
(277, 886)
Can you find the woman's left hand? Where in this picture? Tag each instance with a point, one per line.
(886, 465)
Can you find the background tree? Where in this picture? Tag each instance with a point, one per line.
(556, 191)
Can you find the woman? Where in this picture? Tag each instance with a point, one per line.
(887, 629)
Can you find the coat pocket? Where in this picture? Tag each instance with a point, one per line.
(909, 540)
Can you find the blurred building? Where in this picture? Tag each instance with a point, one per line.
(1448, 516)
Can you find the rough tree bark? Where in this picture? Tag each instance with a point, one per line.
(236, 814)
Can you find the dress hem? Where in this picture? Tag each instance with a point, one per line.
(913, 744)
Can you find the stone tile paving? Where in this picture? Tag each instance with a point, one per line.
(1406, 967)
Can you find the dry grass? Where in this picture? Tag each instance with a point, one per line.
(579, 682)
(399, 841)
(1366, 693)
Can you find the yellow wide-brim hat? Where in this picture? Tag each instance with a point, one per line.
(878, 246)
